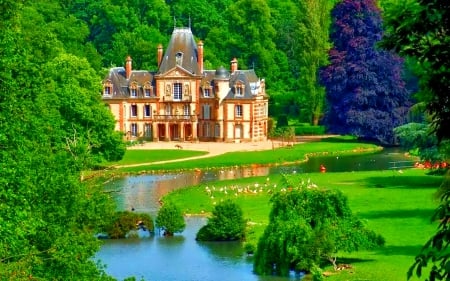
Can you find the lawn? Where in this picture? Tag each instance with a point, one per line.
(396, 204)
(137, 156)
(277, 156)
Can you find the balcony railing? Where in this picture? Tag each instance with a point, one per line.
(180, 118)
(184, 98)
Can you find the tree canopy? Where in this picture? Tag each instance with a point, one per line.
(170, 219)
(364, 88)
(48, 216)
(307, 226)
(226, 224)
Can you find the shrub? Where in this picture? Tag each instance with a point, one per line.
(226, 224)
(170, 219)
(123, 222)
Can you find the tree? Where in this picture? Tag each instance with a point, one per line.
(364, 88)
(170, 219)
(419, 29)
(123, 222)
(308, 225)
(226, 224)
(313, 34)
(48, 217)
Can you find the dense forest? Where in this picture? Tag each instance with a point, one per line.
(53, 125)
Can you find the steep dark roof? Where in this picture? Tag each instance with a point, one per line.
(181, 51)
(121, 85)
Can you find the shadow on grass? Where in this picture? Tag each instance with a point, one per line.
(409, 250)
(404, 182)
(401, 214)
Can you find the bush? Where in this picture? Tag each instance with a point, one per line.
(226, 224)
(309, 130)
(170, 219)
(123, 222)
(282, 121)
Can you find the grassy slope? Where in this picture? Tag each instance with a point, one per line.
(396, 205)
(276, 156)
(136, 156)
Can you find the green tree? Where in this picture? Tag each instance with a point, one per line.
(123, 222)
(308, 225)
(313, 43)
(48, 217)
(170, 219)
(226, 224)
(419, 29)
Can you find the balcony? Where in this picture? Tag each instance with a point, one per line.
(171, 99)
(175, 118)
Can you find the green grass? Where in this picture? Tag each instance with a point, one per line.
(137, 156)
(275, 156)
(396, 205)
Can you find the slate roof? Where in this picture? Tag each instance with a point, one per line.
(181, 51)
(120, 85)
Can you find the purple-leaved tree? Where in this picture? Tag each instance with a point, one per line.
(365, 91)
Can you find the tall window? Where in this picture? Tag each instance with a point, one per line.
(238, 110)
(177, 91)
(186, 110)
(134, 129)
(148, 130)
(147, 110)
(206, 130)
(133, 110)
(217, 130)
(168, 109)
(206, 112)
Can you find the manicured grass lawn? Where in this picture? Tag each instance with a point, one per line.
(136, 156)
(397, 205)
(281, 155)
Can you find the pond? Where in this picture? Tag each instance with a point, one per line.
(181, 258)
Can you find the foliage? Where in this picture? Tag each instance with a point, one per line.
(309, 130)
(282, 121)
(419, 29)
(418, 136)
(226, 224)
(123, 222)
(308, 225)
(170, 219)
(48, 217)
(364, 87)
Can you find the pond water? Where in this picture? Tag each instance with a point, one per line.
(181, 258)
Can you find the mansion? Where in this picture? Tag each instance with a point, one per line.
(181, 101)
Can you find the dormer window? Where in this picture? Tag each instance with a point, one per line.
(107, 88)
(239, 90)
(179, 58)
(133, 90)
(148, 90)
(207, 92)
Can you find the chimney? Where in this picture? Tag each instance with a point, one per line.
(128, 67)
(160, 54)
(234, 65)
(200, 56)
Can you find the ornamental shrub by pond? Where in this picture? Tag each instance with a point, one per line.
(226, 224)
(125, 221)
